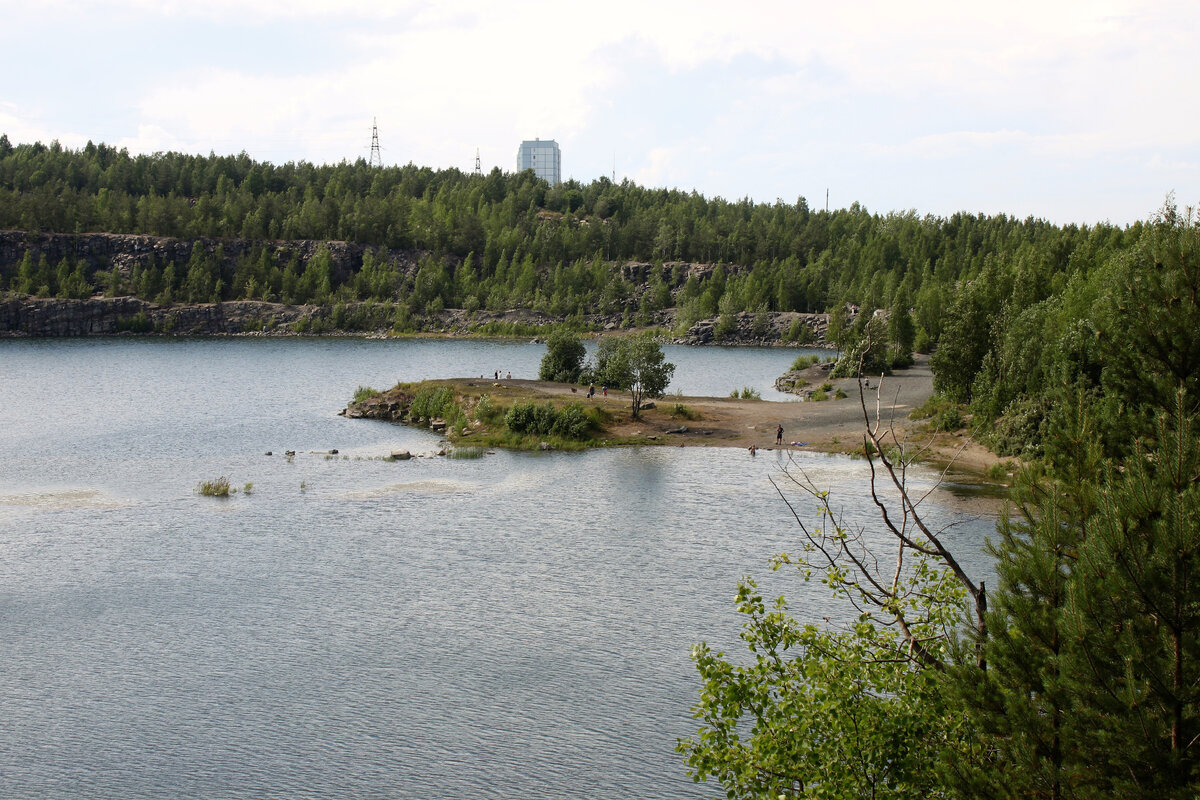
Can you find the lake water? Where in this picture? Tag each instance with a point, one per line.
(512, 626)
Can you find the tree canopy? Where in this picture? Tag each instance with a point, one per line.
(1078, 675)
(564, 357)
(636, 363)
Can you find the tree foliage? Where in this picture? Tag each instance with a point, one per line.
(636, 363)
(424, 239)
(1078, 676)
(564, 357)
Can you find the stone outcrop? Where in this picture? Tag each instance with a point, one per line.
(27, 316)
(123, 251)
(31, 316)
(391, 406)
(805, 381)
(765, 329)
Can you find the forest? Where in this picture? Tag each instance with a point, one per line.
(1073, 347)
(977, 290)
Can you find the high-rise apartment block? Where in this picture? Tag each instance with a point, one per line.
(543, 157)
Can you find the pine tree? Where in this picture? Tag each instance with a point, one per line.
(1134, 619)
(1020, 706)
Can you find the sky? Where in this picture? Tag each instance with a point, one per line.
(1073, 112)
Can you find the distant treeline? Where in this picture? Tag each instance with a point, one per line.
(980, 287)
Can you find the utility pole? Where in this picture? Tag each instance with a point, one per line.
(376, 159)
(826, 199)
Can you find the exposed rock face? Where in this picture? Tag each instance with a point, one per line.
(123, 251)
(804, 381)
(29, 316)
(748, 328)
(391, 405)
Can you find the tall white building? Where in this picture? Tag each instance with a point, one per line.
(543, 157)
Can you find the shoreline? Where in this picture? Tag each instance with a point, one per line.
(828, 426)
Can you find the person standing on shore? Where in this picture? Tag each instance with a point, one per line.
(779, 434)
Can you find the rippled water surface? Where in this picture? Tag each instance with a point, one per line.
(511, 626)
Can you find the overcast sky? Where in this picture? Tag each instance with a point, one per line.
(1069, 111)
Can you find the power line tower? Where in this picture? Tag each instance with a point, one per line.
(376, 159)
(478, 166)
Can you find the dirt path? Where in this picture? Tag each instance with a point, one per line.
(826, 426)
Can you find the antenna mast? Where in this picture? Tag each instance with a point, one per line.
(478, 166)
(376, 159)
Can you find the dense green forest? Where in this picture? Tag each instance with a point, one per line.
(1011, 307)
(1077, 674)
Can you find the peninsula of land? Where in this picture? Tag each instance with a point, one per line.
(832, 426)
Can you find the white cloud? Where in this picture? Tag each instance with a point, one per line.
(27, 125)
(807, 90)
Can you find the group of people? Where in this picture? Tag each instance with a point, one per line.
(592, 391)
(507, 377)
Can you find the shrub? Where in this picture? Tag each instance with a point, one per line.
(520, 418)
(803, 361)
(948, 419)
(365, 393)
(680, 410)
(570, 422)
(485, 410)
(218, 487)
(431, 402)
(749, 393)
(597, 416)
(999, 471)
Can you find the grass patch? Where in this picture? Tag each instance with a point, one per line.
(467, 452)
(804, 362)
(365, 393)
(1000, 471)
(746, 393)
(218, 487)
(680, 411)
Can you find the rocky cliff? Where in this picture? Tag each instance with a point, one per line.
(28, 316)
(31, 316)
(123, 251)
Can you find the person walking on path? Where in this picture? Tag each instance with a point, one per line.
(779, 434)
